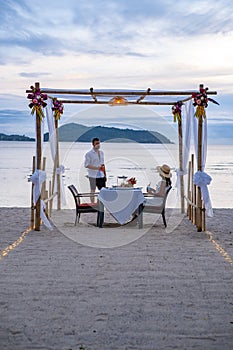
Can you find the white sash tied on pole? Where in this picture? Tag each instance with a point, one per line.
(59, 171)
(202, 179)
(37, 178)
(179, 173)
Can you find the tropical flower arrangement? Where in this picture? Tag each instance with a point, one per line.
(176, 110)
(37, 101)
(131, 182)
(200, 100)
(57, 108)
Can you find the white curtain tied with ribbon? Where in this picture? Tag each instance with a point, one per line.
(52, 142)
(60, 171)
(202, 179)
(51, 127)
(37, 178)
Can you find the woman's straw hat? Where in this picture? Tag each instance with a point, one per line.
(164, 170)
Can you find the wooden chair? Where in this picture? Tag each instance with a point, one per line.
(82, 207)
(160, 209)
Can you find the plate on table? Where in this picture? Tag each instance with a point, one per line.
(126, 188)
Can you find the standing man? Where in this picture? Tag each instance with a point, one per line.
(94, 162)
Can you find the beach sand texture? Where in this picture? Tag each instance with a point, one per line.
(165, 290)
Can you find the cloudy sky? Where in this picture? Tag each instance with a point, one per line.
(130, 44)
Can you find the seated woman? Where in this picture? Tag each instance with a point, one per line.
(158, 193)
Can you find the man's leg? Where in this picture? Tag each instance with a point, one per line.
(93, 187)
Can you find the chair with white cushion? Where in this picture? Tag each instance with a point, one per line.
(155, 205)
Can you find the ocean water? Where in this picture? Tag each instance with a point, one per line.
(121, 159)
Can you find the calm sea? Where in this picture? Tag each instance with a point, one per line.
(121, 159)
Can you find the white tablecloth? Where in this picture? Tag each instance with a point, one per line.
(121, 203)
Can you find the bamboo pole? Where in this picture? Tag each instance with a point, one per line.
(43, 187)
(192, 189)
(46, 195)
(57, 166)
(38, 161)
(189, 191)
(53, 181)
(50, 202)
(32, 201)
(181, 165)
(199, 168)
(203, 217)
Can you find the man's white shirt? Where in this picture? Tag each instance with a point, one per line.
(92, 158)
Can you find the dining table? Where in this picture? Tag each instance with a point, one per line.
(121, 203)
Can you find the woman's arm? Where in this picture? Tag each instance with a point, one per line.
(161, 191)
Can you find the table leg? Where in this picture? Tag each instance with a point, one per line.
(100, 216)
(140, 219)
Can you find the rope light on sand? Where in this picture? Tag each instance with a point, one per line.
(9, 248)
(219, 248)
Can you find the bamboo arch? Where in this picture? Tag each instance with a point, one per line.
(126, 97)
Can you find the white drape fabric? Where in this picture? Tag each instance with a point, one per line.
(51, 128)
(37, 178)
(202, 179)
(187, 127)
(61, 171)
(52, 142)
(187, 122)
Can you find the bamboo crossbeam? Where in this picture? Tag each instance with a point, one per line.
(124, 93)
(129, 102)
(143, 96)
(50, 197)
(190, 202)
(193, 204)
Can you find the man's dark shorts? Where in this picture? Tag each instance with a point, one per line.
(98, 182)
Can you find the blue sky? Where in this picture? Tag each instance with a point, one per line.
(130, 44)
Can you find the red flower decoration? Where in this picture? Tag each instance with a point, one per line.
(37, 101)
(176, 110)
(132, 181)
(57, 108)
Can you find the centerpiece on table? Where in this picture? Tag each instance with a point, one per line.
(131, 182)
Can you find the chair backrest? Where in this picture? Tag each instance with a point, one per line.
(167, 190)
(74, 192)
(161, 207)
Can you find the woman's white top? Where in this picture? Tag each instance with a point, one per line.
(155, 201)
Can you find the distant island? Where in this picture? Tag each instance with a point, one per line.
(73, 132)
(4, 137)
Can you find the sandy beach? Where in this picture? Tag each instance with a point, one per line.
(164, 289)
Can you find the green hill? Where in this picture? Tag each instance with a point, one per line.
(4, 137)
(80, 133)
